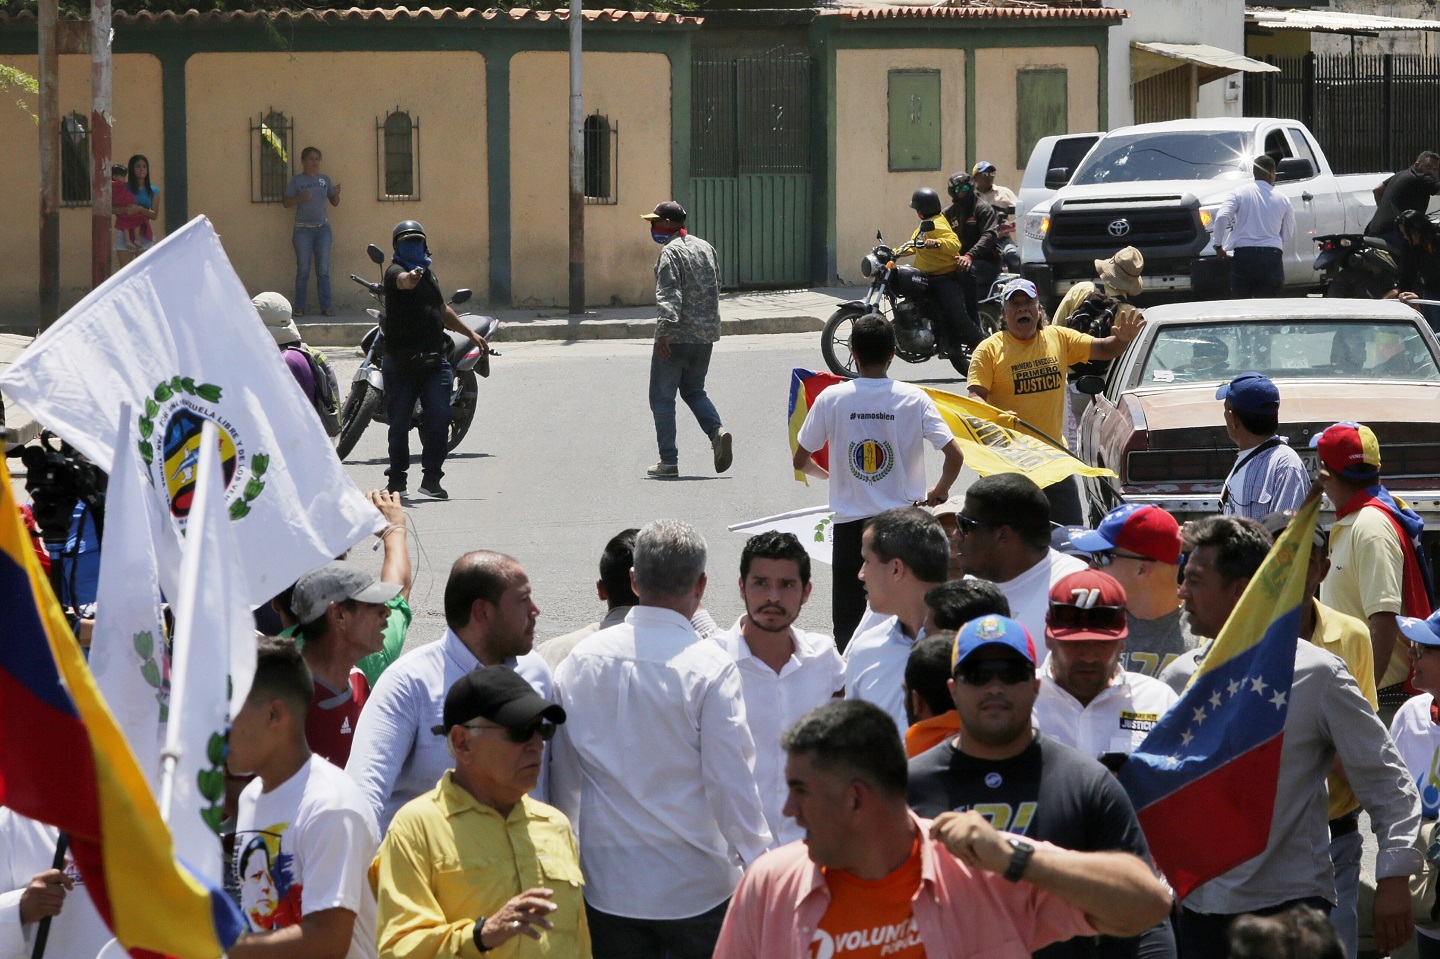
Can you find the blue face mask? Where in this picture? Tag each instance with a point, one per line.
(659, 237)
(410, 253)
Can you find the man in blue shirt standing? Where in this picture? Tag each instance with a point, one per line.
(307, 194)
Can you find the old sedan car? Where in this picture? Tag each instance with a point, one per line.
(1157, 424)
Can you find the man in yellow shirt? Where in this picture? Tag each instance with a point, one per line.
(1022, 369)
(477, 863)
(937, 252)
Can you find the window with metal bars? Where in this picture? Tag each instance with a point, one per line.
(272, 140)
(398, 144)
(602, 141)
(74, 161)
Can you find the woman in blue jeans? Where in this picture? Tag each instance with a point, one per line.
(310, 194)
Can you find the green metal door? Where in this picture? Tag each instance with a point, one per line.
(750, 181)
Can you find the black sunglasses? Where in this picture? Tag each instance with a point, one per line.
(1065, 616)
(1105, 558)
(1180, 570)
(523, 734)
(979, 672)
(967, 524)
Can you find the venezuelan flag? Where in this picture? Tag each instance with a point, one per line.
(805, 385)
(64, 761)
(1218, 748)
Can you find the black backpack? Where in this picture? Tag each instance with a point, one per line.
(326, 398)
(1093, 317)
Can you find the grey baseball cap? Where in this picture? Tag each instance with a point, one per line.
(336, 582)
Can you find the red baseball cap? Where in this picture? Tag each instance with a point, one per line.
(1089, 604)
(1143, 529)
(1349, 449)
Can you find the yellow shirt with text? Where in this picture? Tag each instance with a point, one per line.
(1028, 378)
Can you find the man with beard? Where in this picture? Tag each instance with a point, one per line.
(784, 672)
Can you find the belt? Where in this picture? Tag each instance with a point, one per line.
(1345, 825)
(310, 226)
(1258, 249)
(1393, 695)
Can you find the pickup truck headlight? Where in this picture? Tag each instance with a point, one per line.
(1037, 225)
(1207, 217)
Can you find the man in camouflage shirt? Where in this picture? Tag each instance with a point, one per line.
(687, 293)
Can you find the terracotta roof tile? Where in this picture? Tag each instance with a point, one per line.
(351, 14)
(1028, 12)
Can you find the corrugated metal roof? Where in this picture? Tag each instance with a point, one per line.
(350, 14)
(979, 10)
(1331, 21)
(1154, 58)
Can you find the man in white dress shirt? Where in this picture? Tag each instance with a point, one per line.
(491, 618)
(1251, 230)
(785, 672)
(31, 890)
(655, 765)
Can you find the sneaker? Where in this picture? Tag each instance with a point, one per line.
(392, 488)
(297, 312)
(721, 445)
(663, 470)
(434, 490)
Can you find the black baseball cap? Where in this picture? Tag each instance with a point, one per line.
(669, 210)
(498, 694)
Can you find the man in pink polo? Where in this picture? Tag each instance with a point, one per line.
(872, 878)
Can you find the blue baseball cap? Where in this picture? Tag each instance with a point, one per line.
(1021, 286)
(1252, 394)
(991, 631)
(984, 166)
(1425, 632)
(1142, 528)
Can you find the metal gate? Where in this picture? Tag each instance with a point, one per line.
(750, 183)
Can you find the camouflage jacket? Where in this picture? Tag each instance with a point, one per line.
(687, 291)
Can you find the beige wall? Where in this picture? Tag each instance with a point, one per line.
(867, 196)
(137, 129)
(995, 127)
(334, 100)
(633, 90)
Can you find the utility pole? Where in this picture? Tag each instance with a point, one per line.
(101, 235)
(49, 69)
(577, 168)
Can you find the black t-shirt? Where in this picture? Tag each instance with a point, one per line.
(1407, 190)
(1049, 792)
(414, 319)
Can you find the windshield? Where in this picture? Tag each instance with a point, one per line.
(1315, 349)
(1166, 156)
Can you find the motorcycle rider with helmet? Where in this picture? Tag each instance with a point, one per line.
(936, 255)
(1422, 259)
(416, 364)
(977, 224)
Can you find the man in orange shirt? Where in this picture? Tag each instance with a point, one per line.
(871, 878)
(928, 705)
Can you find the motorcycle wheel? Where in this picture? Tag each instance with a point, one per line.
(462, 408)
(990, 320)
(360, 408)
(835, 342)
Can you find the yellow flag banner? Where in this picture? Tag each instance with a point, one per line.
(997, 441)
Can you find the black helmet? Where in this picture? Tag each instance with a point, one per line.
(407, 228)
(1417, 221)
(961, 185)
(925, 202)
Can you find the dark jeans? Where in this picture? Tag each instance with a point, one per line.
(1065, 505)
(1256, 271)
(1426, 947)
(1203, 935)
(312, 245)
(402, 388)
(847, 593)
(949, 290)
(684, 372)
(615, 937)
(983, 273)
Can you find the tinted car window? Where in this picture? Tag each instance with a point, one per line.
(1311, 350)
(1166, 156)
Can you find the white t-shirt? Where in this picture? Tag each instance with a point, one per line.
(304, 847)
(1029, 593)
(1417, 737)
(875, 667)
(1115, 721)
(874, 428)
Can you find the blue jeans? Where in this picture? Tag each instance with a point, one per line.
(1345, 856)
(312, 246)
(402, 387)
(616, 937)
(684, 372)
(1256, 271)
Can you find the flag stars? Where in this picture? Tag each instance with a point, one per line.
(1259, 685)
(1215, 699)
(1278, 700)
(1200, 715)
(1235, 685)
(1186, 738)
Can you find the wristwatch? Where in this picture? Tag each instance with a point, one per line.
(480, 943)
(1019, 859)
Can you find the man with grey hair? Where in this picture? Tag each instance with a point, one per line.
(656, 764)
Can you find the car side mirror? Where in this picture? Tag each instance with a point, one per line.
(1294, 168)
(1090, 384)
(926, 226)
(375, 254)
(1056, 177)
(459, 297)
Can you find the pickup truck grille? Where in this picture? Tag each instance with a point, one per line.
(1090, 230)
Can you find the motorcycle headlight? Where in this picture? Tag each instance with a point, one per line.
(1037, 225)
(869, 266)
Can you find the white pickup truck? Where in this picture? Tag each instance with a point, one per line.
(1157, 187)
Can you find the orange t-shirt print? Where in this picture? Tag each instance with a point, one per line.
(871, 919)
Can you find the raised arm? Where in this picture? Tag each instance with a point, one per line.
(1127, 326)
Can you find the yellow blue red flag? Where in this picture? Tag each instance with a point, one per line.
(64, 761)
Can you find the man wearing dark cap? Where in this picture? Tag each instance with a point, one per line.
(475, 862)
(1251, 230)
(1268, 476)
(687, 296)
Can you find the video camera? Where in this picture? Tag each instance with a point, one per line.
(56, 479)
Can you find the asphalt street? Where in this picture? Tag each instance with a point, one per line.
(555, 465)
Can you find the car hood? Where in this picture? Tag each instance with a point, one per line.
(1206, 191)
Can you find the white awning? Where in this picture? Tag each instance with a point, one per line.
(1331, 21)
(1152, 59)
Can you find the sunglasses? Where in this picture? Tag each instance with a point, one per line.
(521, 734)
(980, 672)
(1180, 570)
(1103, 559)
(967, 525)
(1065, 616)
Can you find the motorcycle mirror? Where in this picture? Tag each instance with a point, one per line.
(376, 256)
(459, 297)
(879, 237)
(926, 226)
(1090, 384)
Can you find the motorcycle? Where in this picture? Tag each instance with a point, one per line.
(366, 402)
(902, 295)
(1356, 266)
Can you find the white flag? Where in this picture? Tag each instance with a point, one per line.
(814, 527)
(128, 653)
(213, 630)
(175, 336)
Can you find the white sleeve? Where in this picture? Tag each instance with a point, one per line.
(727, 766)
(337, 848)
(564, 761)
(933, 427)
(14, 944)
(1223, 219)
(384, 736)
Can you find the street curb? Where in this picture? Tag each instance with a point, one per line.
(566, 330)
